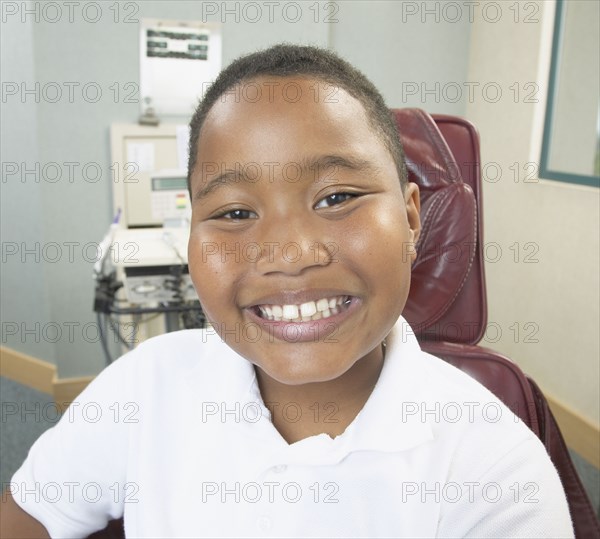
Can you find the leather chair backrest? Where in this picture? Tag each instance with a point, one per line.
(447, 299)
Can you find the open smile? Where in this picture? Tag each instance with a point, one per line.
(309, 321)
(320, 309)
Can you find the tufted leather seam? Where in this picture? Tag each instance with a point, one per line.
(438, 141)
(443, 311)
(439, 199)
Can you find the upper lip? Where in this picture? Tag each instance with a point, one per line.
(297, 297)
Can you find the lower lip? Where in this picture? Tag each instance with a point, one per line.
(309, 331)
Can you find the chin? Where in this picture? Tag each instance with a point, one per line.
(300, 372)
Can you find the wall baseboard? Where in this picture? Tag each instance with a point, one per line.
(41, 376)
(580, 434)
(27, 370)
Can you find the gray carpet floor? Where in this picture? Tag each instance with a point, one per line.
(27, 413)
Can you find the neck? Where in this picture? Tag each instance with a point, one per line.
(300, 411)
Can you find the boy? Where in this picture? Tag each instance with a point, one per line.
(292, 419)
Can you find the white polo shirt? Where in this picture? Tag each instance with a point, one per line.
(175, 436)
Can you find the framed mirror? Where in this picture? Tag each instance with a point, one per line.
(571, 140)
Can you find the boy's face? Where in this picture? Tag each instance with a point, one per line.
(295, 200)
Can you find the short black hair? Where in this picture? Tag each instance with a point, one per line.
(287, 60)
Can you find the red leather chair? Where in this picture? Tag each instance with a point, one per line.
(447, 306)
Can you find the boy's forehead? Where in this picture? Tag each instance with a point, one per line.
(302, 97)
(287, 120)
(286, 89)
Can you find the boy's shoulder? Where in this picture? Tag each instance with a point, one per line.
(179, 348)
(452, 392)
(428, 390)
(165, 360)
(448, 380)
(427, 376)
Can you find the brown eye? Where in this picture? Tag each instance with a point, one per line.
(334, 199)
(237, 215)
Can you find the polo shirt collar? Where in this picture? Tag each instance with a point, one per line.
(382, 425)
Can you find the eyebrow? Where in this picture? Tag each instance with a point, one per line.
(318, 163)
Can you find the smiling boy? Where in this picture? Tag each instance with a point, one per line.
(290, 417)
(335, 219)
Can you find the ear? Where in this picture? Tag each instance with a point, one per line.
(412, 201)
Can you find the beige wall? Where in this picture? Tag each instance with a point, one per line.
(554, 298)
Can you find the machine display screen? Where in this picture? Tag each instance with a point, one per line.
(169, 184)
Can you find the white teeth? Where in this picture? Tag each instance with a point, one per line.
(322, 304)
(308, 309)
(311, 310)
(290, 311)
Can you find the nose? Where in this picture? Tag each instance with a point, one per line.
(293, 245)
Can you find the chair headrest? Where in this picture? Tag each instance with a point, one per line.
(447, 246)
(429, 160)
